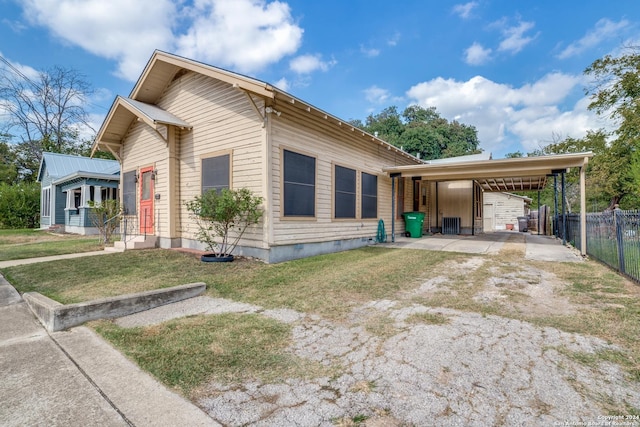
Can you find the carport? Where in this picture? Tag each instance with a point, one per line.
(510, 175)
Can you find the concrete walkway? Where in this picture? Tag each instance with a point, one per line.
(14, 262)
(74, 378)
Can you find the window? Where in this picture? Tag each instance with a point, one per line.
(299, 184)
(216, 173)
(46, 201)
(369, 196)
(129, 192)
(107, 193)
(345, 192)
(77, 198)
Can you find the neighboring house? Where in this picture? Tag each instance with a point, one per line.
(501, 210)
(187, 127)
(68, 183)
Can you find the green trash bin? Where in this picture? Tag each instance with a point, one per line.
(413, 223)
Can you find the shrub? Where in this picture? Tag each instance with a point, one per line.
(217, 214)
(20, 205)
(105, 216)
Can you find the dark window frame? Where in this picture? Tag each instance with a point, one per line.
(210, 178)
(368, 197)
(130, 193)
(345, 193)
(299, 183)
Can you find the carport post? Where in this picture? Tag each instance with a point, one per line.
(393, 205)
(555, 205)
(538, 226)
(583, 209)
(564, 218)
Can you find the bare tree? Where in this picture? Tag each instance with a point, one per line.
(44, 112)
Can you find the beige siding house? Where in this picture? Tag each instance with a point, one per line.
(187, 127)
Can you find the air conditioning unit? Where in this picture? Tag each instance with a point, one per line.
(451, 225)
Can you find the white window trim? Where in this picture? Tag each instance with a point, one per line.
(42, 202)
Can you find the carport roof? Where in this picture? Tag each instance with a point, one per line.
(513, 174)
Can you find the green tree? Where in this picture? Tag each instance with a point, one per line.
(616, 93)
(422, 131)
(8, 168)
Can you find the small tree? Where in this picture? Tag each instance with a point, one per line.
(105, 216)
(218, 214)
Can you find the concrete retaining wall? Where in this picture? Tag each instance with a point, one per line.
(56, 317)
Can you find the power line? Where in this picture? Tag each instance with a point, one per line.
(37, 86)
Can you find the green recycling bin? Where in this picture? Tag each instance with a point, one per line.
(413, 223)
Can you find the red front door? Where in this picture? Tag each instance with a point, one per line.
(146, 200)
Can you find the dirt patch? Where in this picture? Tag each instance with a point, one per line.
(528, 291)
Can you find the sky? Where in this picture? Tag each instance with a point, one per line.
(512, 69)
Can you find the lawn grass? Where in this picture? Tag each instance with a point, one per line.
(610, 310)
(186, 353)
(27, 243)
(330, 286)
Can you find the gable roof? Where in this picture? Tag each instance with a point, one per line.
(163, 67)
(124, 111)
(61, 165)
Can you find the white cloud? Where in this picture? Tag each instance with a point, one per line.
(393, 40)
(506, 116)
(476, 54)
(119, 29)
(376, 95)
(604, 29)
(306, 64)
(282, 84)
(244, 35)
(514, 37)
(464, 10)
(370, 52)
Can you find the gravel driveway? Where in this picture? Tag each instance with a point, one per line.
(403, 363)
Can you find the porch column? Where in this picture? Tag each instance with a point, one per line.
(583, 210)
(84, 195)
(97, 194)
(70, 199)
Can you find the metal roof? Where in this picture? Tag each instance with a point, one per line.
(516, 174)
(60, 165)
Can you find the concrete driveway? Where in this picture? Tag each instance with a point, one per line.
(537, 247)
